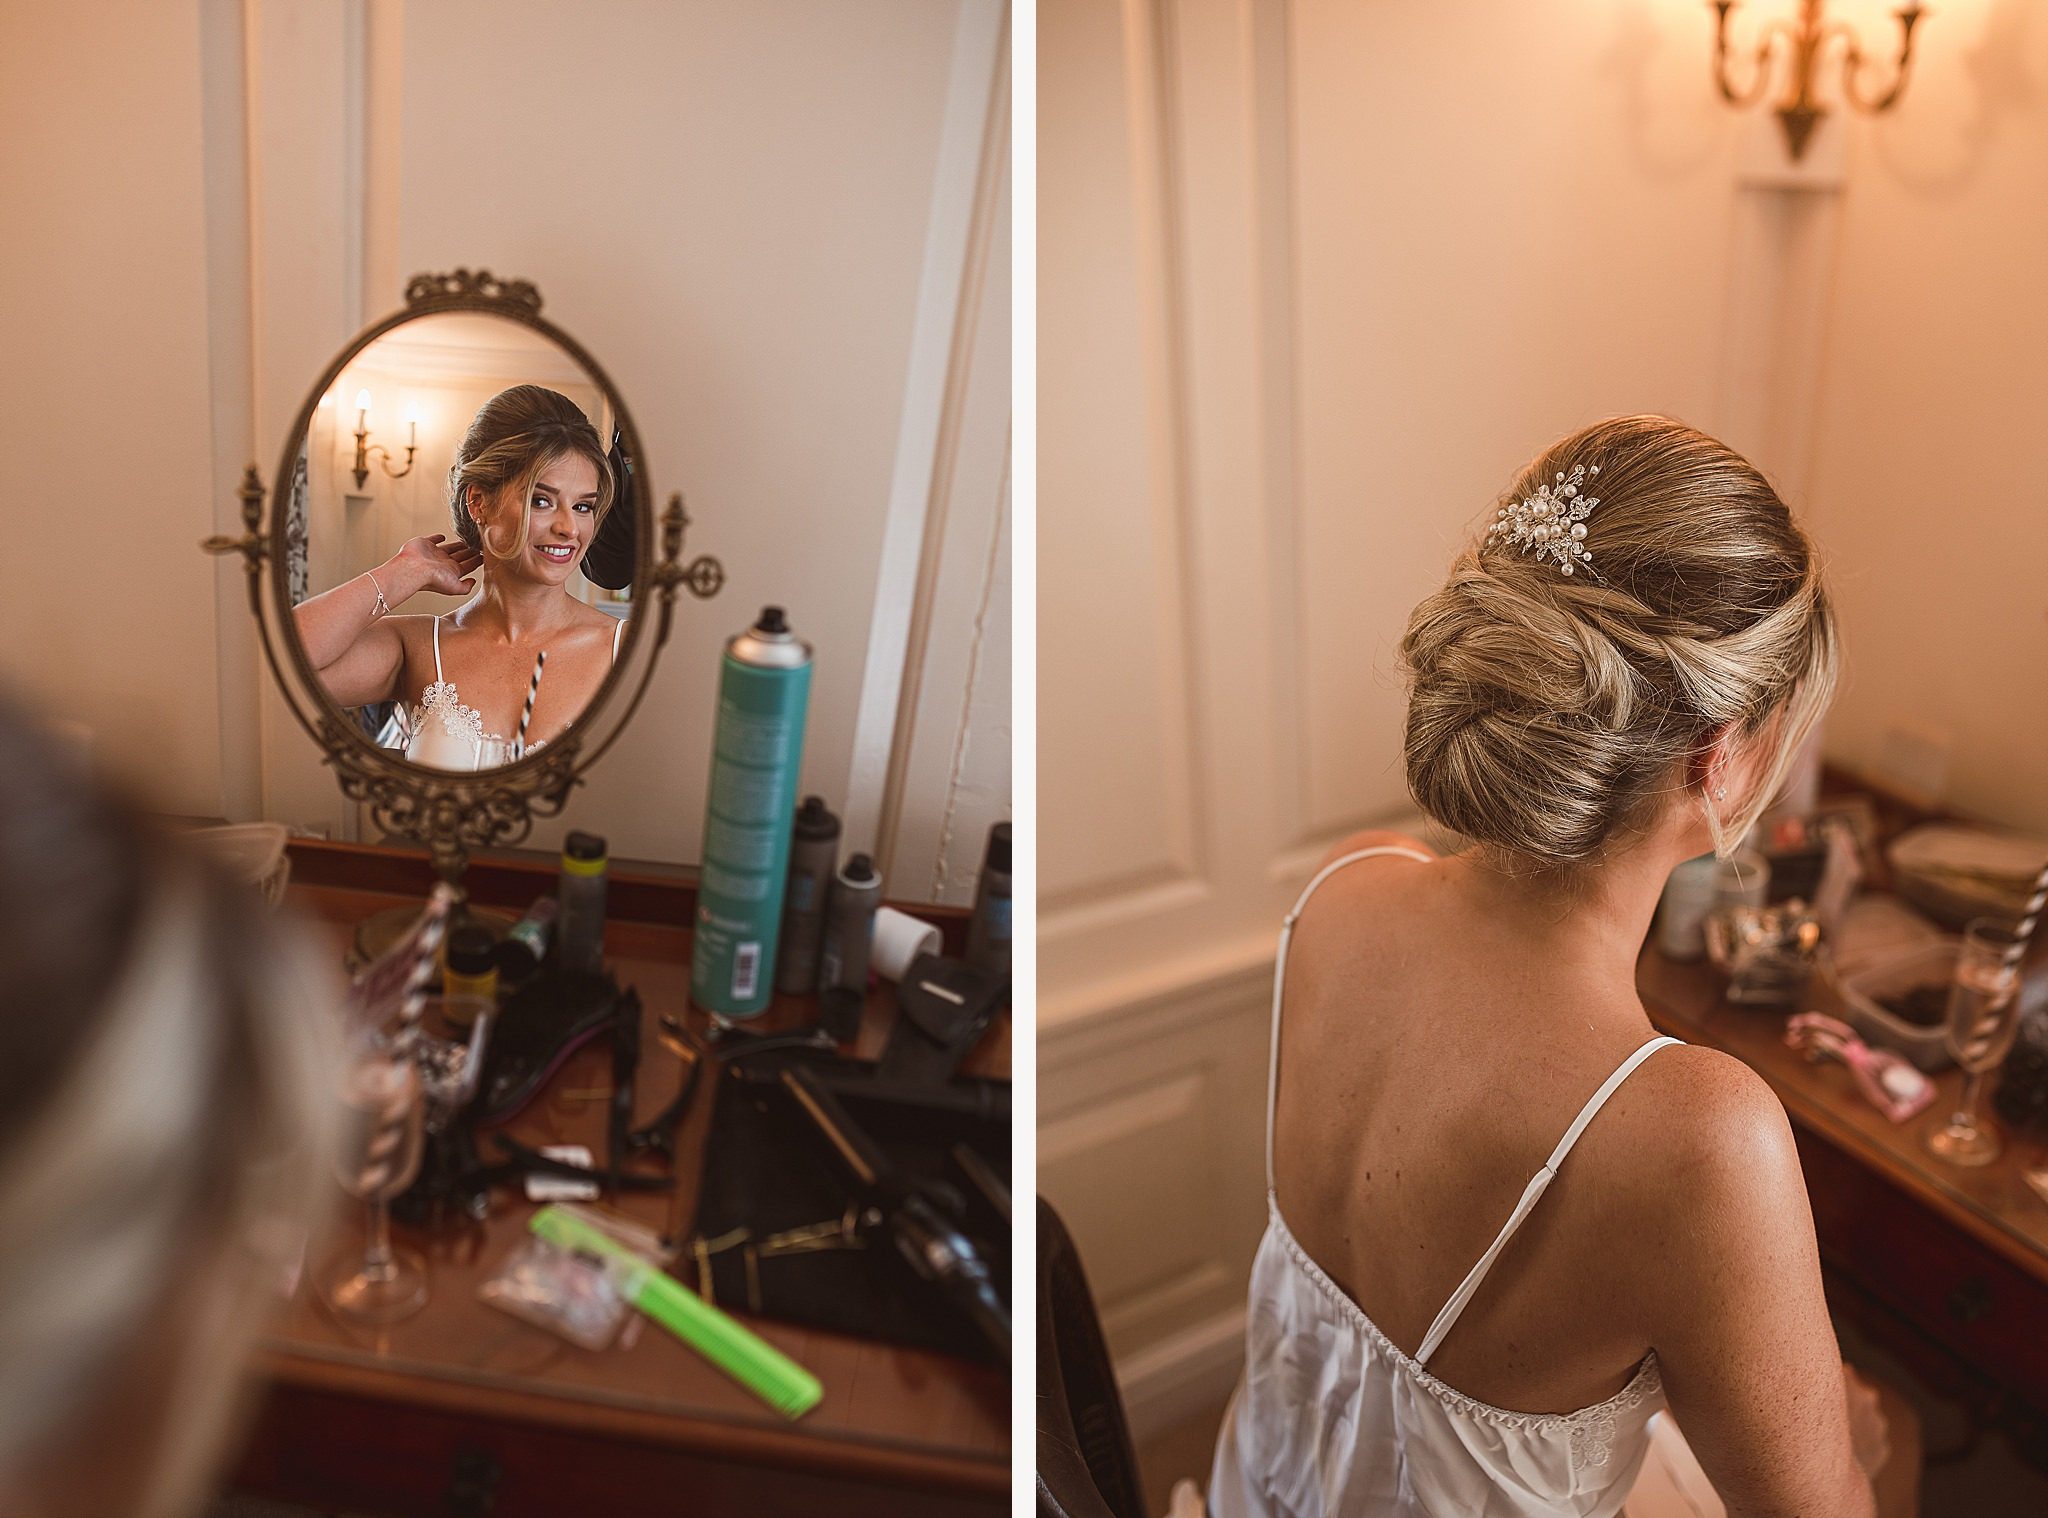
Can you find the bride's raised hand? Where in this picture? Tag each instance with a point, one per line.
(436, 563)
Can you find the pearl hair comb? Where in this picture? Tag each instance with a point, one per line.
(1552, 522)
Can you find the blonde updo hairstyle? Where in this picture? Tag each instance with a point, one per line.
(514, 436)
(1551, 718)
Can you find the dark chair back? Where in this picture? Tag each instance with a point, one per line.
(1086, 1466)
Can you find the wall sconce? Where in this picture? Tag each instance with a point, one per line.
(1807, 39)
(364, 447)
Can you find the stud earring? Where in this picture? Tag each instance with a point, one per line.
(1721, 793)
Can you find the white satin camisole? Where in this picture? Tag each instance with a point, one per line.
(447, 735)
(1332, 1420)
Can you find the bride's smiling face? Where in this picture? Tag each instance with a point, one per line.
(561, 519)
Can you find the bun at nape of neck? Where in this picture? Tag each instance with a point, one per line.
(1555, 719)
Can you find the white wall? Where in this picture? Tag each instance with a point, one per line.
(770, 223)
(1315, 277)
(1929, 479)
(107, 618)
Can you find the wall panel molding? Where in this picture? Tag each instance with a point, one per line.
(383, 153)
(964, 548)
(305, 81)
(1137, 1019)
(238, 664)
(1122, 732)
(1101, 905)
(1149, 1148)
(1203, 105)
(1182, 1376)
(1281, 316)
(1153, 95)
(973, 162)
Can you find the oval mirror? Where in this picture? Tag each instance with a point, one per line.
(460, 540)
(461, 545)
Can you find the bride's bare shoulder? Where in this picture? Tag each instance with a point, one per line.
(594, 627)
(1372, 838)
(1694, 1134)
(1693, 1102)
(413, 629)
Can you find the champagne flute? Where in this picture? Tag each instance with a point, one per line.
(382, 1139)
(1983, 1016)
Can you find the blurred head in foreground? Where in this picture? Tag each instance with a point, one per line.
(165, 1125)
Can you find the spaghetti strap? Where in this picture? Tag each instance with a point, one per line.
(437, 652)
(1538, 1184)
(1280, 974)
(617, 633)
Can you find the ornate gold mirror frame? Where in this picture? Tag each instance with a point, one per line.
(449, 811)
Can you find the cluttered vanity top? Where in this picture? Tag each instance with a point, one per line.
(909, 1392)
(1882, 973)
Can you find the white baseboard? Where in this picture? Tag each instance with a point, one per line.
(1192, 1371)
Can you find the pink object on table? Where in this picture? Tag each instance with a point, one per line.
(1889, 1083)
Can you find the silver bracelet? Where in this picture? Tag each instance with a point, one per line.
(383, 607)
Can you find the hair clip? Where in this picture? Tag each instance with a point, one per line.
(1552, 522)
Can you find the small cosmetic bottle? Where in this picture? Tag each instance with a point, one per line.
(469, 984)
(580, 933)
(526, 941)
(850, 927)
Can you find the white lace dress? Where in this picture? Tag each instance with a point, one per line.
(1332, 1419)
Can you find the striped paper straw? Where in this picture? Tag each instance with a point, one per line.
(2029, 920)
(428, 950)
(526, 716)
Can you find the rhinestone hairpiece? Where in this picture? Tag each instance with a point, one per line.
(1552, 522)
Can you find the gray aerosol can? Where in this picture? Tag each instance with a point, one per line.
(764, 692)
(850, 927)
(988, 931)
(813, 859)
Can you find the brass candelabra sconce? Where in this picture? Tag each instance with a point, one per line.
(364, 447)
(1808, 40)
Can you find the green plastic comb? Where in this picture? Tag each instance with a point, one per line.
(745, 1356)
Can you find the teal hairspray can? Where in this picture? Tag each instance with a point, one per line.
(764, 690)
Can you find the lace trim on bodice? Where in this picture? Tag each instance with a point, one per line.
(458, 721)
(466, 723)
(1591, 1430)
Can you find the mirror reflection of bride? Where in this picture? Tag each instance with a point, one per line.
(527, 492)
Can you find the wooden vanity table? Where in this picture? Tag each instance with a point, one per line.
(462, 1410)
(1962, 1253)
(1944, 1266)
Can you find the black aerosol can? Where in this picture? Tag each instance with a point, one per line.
(813, 860)
(988, 931)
